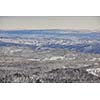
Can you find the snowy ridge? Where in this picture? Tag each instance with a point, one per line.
(82, 41)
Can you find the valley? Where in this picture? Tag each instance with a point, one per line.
(49, 56)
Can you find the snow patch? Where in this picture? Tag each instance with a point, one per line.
(57, 58)
(94, 71)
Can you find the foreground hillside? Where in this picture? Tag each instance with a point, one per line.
(23, 64)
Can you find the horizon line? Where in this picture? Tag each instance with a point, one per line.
(50, 29)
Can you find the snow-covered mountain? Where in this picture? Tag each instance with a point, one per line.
(83, 41)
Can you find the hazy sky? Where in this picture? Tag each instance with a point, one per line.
(23, 22)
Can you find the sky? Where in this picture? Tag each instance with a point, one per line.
(49, 22)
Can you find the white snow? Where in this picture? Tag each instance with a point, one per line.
(93, 59)
(34, 59)
(57, 58)
(94, 71)
(13, 51)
